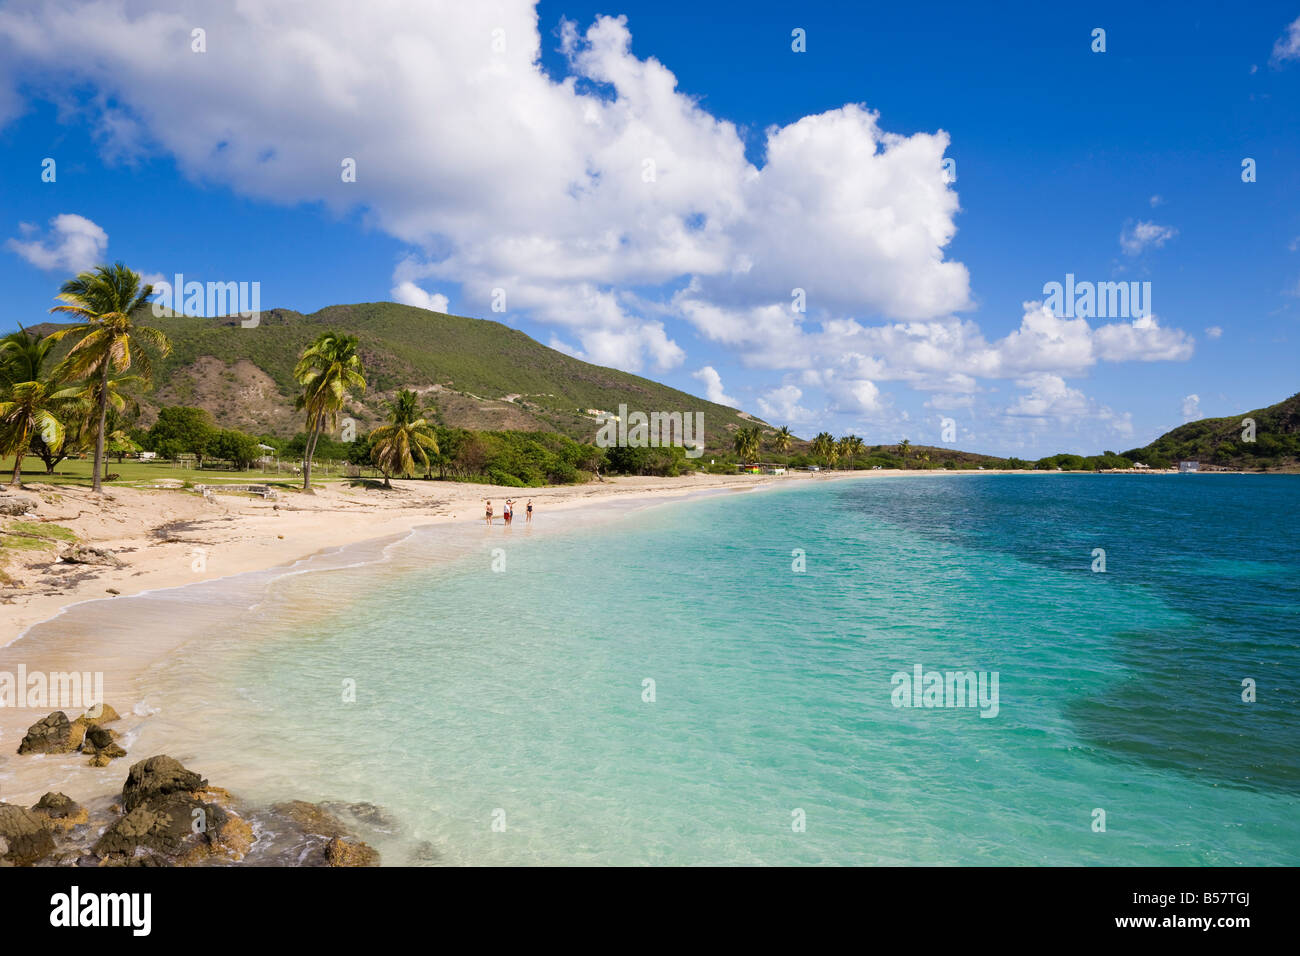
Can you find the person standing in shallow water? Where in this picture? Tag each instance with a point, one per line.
(488, 515)
(509, 511)
(528, 512)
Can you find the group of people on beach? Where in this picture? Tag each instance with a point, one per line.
(509, 512)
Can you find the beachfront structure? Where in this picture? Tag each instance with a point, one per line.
(1187, 467)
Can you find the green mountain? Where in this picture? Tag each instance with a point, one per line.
(1223, 442)
(479, 374)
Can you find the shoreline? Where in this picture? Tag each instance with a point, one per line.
(157, 558)
(354, 519)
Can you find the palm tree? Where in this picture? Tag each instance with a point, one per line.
(748, 442)
(30, 397)
(393, 444)
(328, 370)
(903, 446)
(781, 441)
(82, 402)
(109, 341)
(850, 446)
(823, 447)
(28, 411)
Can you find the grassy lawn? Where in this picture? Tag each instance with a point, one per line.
(143, 474)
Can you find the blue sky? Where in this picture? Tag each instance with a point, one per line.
(516, 160)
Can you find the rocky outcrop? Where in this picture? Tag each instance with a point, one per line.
(100, 744)
(175, 826)
(15, 505)
(170, 816)
(26, 836)
(54, 734)
(158, 776)
(60, 811)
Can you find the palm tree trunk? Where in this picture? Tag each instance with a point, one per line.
(19, 453)
(316, 425)
(99, 434)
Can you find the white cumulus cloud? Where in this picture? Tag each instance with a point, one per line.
(408, 293)
(72, 244)
(713, 390)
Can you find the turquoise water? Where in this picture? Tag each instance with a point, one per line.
(518, 695)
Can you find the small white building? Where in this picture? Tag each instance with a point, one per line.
(1187, 467)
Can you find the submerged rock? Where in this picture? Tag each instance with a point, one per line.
(367, 814)
(311, 818)
(309, 834)
(27, 836)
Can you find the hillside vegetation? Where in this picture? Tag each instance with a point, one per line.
(479, 374)
(1221, 441)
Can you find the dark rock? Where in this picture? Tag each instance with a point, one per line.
(97, 738)
(26, 836)
(100, 744)
(57, 806)
(54, 734)
(158, 775)
(62, 814)
(164, 823)
(178, 828)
